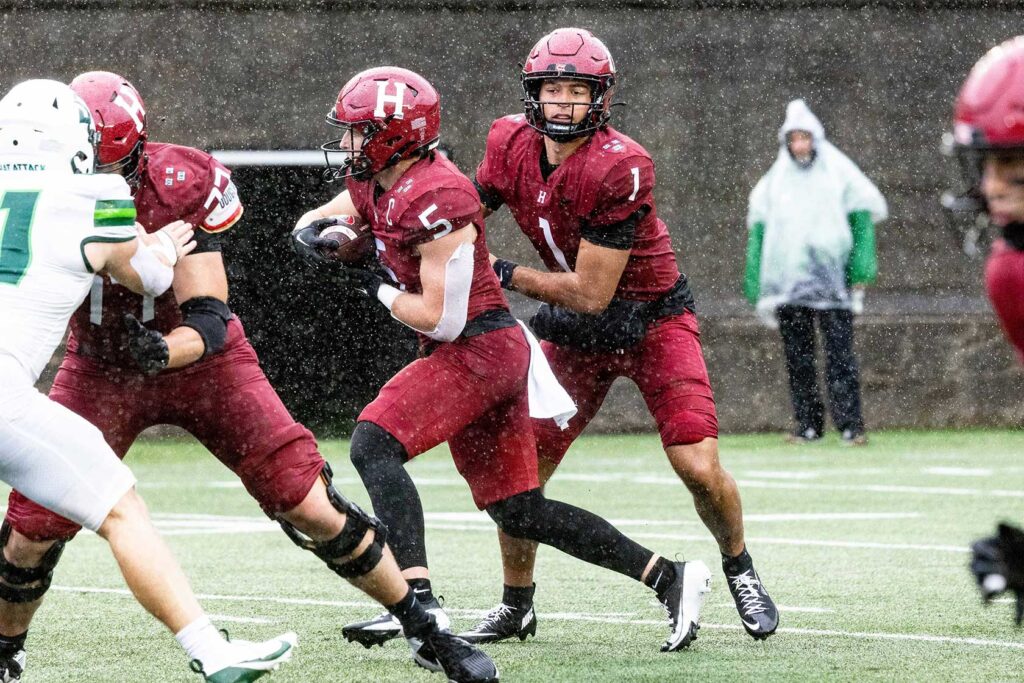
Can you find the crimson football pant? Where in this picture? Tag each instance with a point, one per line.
(667, 367)
(1004, 281)
(796, 323)
(224, 400)
(472, 393)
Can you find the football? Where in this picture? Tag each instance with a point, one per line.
(355, 241)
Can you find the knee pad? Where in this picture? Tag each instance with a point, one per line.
(26, 584)
(357, 523)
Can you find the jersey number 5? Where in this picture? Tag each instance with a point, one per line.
(16, 212)
(439, 223)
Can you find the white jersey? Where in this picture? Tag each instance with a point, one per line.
(46, 220)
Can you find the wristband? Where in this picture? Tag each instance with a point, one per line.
(504, 269)
(387, 294)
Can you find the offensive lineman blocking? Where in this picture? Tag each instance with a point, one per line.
(60, 224)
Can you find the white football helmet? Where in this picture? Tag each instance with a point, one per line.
(44, 123)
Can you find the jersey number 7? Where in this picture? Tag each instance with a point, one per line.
(16, 212)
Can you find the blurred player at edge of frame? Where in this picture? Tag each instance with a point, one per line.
(988, 138)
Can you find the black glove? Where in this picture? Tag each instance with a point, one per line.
(309, 245)
(148, 347)
(359, 279)
(998, 565)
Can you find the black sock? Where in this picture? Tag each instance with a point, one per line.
(421, 587)
(737, 565)
(519, 597)
(661, 576)
(11, 644)
(411, 614)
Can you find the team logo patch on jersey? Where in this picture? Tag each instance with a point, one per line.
(542, 197)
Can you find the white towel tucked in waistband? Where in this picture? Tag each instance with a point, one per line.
(546, 395)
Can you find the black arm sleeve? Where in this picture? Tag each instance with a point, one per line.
(488, 199)
(617, 235)
(209, 317)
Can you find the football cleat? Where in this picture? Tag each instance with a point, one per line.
(501, 623)
(683, 601)
(251, 660)
(12, 666)
(444, 652)
(758, 613)
(385, 627)
(808, 435)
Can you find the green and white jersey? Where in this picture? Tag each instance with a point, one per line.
(46, 219)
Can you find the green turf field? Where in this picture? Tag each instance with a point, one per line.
(864, 550)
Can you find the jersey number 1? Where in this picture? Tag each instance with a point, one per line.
(16, 212)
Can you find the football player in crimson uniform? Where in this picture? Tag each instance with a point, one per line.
(988, 136)
(183, 359)
(469, 387)
(615, 302)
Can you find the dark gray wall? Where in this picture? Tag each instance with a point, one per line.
(706, 84)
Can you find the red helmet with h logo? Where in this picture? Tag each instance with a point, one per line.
(576, 54)
(120, 117)
(396, 112)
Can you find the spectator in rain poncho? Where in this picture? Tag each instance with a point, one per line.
(811, 223)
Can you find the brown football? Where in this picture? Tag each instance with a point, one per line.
(355, 241)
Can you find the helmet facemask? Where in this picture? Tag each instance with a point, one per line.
(354, 162)
(597, 109)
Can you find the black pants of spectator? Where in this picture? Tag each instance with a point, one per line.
(841, 372)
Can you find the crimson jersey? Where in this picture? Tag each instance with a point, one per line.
(177, 183)
(430, 200)
(604, 182)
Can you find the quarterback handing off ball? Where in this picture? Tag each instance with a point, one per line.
(355, 241)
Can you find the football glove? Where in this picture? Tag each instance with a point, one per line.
(148, 347)
(363, 281)
(309, 245)
(998, 564)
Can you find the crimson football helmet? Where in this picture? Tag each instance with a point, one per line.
(120, 117)
(396, 112)
(569, 53)
(989, 113)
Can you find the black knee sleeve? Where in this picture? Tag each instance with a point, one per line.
(519, 516)
(26, 584)
(380, 460)
(373, 449)
(357, 523)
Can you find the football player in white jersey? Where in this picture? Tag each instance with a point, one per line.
(59, 224)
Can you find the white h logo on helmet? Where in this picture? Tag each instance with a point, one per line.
(131, 105)
(383, 98)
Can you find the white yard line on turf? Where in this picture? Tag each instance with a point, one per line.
(192, 525)
(660, 480)
(958, 471)
(600, 618)
(241, 620)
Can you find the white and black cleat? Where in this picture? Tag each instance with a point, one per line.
(385, 627)
(12, 666)
(501, 623)
(441, 651)
(758, 613)
(683, 600)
